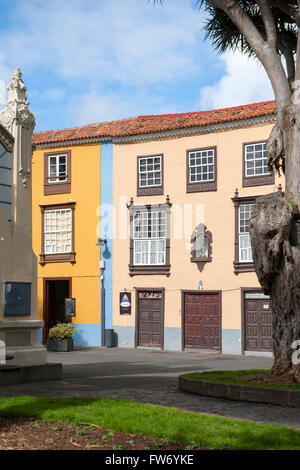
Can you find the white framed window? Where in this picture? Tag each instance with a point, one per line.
(58, 231)
(150, 171)
(57, 168)
(256, 159)
(149, 237)
(201, 166)
(245, 250)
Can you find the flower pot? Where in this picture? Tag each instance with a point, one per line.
(60, 345)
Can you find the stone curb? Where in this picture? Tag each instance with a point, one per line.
(13, 375)
(240, 392)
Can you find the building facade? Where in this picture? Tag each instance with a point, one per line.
(174, 196)
(66, 200)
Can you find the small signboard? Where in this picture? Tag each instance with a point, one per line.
(17, 298)
(70, 307)
(149, 295)
(125, 303)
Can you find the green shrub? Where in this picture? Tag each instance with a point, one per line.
(62, 331)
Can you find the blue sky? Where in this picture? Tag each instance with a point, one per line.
(86, 61)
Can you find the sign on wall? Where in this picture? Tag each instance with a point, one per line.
(125, 303)
(17, 298)
(70, 307)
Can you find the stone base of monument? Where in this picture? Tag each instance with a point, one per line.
(14, 375)
(22, 340)
(26, 357)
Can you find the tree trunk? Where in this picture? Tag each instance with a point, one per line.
(275, 239)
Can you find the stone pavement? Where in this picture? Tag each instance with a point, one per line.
(151, 376)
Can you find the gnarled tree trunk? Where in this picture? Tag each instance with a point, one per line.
(275, 239)
(270, 28)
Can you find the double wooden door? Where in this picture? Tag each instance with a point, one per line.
(202, 320)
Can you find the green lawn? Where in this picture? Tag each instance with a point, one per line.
(234, 377)
(154, 421)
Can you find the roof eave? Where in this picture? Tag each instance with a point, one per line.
(162, 134)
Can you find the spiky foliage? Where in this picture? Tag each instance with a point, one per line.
(224, 34)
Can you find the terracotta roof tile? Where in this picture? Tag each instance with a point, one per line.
(156, 123)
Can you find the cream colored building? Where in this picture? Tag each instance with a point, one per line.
(177, 193)
(211, 298)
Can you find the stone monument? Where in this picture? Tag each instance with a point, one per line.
(19, 326)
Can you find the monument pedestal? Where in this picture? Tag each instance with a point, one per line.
(19, 324)
(22, 340)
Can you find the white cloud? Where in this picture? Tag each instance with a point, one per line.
(105, 59)
(109, 59)
(4, 79)
(106, 40)
(93, 107)
(54, 94)
(245, 81)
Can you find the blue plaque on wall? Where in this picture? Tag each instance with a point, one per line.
(17, 298)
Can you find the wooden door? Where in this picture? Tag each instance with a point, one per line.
(49, 308)
(202, 320)
(150, 318)
(258, 323)
(55, 292)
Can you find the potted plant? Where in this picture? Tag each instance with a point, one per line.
(61, 337)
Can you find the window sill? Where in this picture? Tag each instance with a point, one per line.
(146, 270)
(58, 258)
(243, 268)
(57, 188)
(201, 187)
(262, 180)
(150, 191)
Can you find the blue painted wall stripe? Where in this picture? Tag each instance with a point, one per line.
(106, 225)
(87, 335)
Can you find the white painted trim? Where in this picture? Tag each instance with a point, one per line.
(56, 178)
(67, 209)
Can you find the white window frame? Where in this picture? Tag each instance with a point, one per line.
(152, 234)
(244, 238)
(255, 160)
(147, 172)
(57, 178)
(201, 166)
(57, 232)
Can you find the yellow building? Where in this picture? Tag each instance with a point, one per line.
(176, 197)
(66, 199)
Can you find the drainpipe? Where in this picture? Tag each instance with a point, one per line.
(102, 311)
(102, 242)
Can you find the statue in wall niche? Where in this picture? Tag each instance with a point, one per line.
(19, 325)
(201, 249)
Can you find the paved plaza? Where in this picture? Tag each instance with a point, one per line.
(151, 376)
